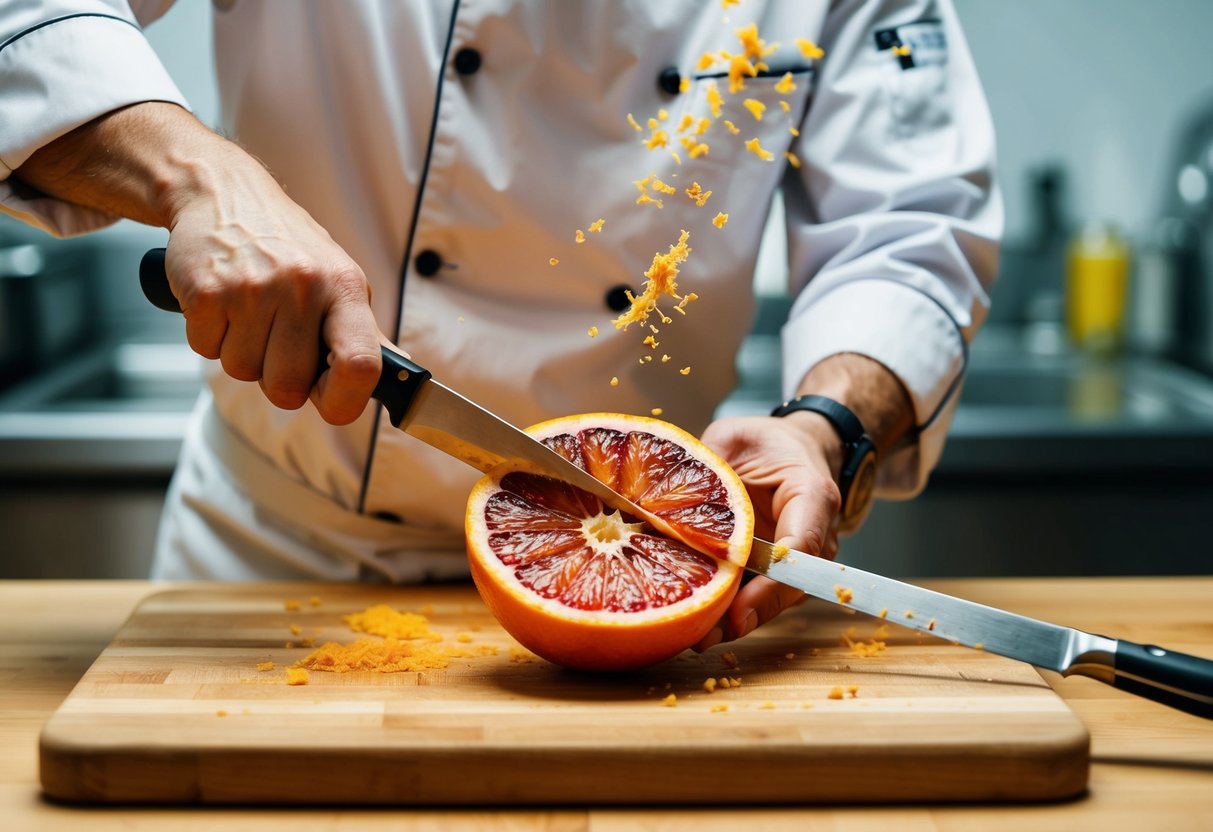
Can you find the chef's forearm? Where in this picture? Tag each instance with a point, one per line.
(870, 390)
(144, 162)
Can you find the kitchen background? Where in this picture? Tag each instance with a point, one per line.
(1062, 460)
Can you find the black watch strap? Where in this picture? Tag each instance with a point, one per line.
(849, 428)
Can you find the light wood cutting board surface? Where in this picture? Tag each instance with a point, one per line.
(174, 710)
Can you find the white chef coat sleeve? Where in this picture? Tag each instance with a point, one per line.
(62, 64)
(893, 217)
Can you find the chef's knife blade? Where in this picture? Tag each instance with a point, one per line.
(1175, 679)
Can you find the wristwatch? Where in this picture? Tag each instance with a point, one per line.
(858, 475)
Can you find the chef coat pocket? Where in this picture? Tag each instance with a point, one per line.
(916, 77)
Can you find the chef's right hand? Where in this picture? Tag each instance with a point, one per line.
(260, 283)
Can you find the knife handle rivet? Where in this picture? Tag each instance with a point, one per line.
(403, 375)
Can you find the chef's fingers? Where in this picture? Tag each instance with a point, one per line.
(201, 302)
(760, 600)
(806, 510)
(354, 358)
(242, 353)
(289, 369)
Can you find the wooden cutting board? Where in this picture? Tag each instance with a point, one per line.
(175, 710)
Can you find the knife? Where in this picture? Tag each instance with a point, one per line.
(437, 415)
(1176, 679)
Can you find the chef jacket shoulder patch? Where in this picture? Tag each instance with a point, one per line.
(918, 44)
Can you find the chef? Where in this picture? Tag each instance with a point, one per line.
(407, 170)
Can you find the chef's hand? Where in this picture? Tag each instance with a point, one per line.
(260, 283)
(790, 467)
(259, 280)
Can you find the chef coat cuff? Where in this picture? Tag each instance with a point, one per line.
(57, 77)
(910, 334)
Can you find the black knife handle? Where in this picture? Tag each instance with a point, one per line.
(399, 378)
(1176, 679)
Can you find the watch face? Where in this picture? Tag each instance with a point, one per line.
(859, 496)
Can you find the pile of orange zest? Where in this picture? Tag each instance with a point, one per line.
(635, 124)
(263, 667)
(705, 61)
(579, 236)
(695, 149)
(296, 676)
(382, 620)
(720, 219)
(698, 194)
(756, 107)
(596, 225)
(870, 648)
(786, 84)
(687, 121)
(593, 332)
(552, 261)
(520, 656)
(685, 371)
(660, 279)
(835, 693)
(779, 551)
(809, 49)
(656, 411)
(844, 594)
(291, 605)
(715, 100)
(670, 701)
(755, 147)
(388, 656)
(731, 127)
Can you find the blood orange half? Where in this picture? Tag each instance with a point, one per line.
(590, 588)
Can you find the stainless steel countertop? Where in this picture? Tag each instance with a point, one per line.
(122, 411)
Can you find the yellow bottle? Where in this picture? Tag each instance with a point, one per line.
(1097, 281)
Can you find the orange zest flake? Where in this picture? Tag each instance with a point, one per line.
(685, 123)
(792, 158)
(552, 261)
(755, 147)
(901, 50)
(382, 620)
(909, 613)
(786, 84)
(702, 125)
(754, 46)
(660, 279)
(843, 593)
(715, 100)
(596, 225)
(296, 629)
(756, 107)
(314, 600)
(670, 701)
(809, 49)
(614, 381)
(658, 185)
(296, 676)
(684, 84)
(741, 67)
(835, 693)
(705, 61)
(659, 139)
(884, 613)
(867, 649)
(697, 193)
(730, 659)
(263, 667)
(635, 124)
(665, 358)
(592, 332)
(674, 155)
(694, 149)
(656, 411)
(579, 236)
(292, 605)
(731, 127)
(853, 690)
(685, 371)
(662, 115)
(724, 4)
(785, 106)
(720, 219)
(779, 551)
(719, 708)
(709, 684)
(793, 131)
(650, 342)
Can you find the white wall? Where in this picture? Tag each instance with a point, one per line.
(1102, 86)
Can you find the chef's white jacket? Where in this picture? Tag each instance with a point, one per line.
(452, 148)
